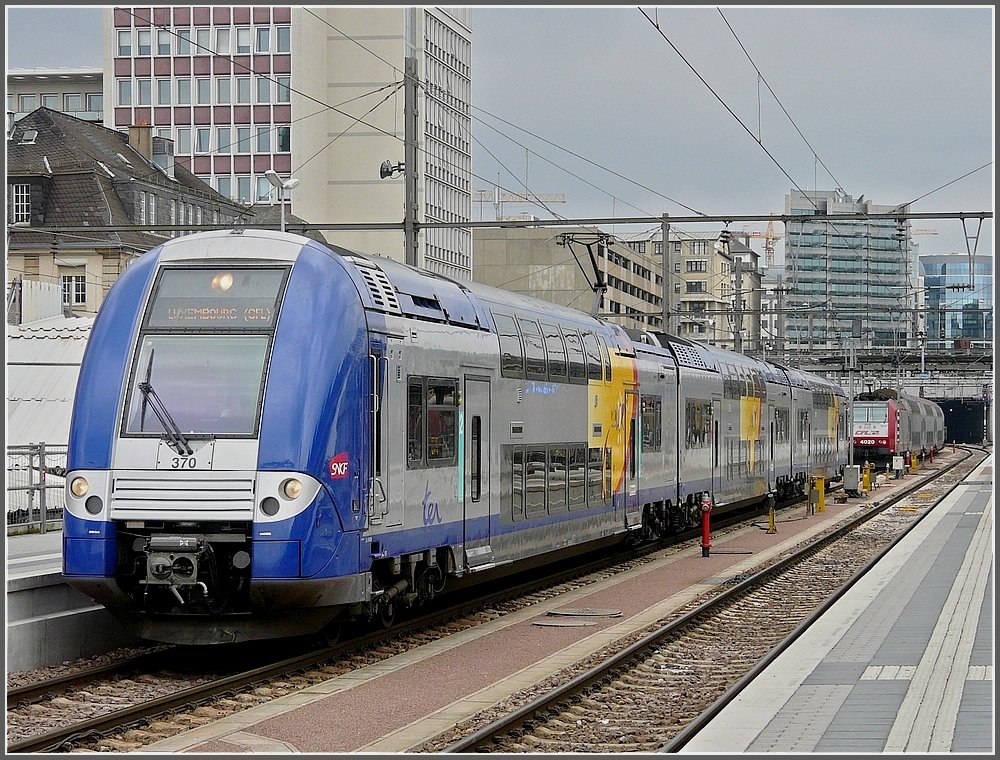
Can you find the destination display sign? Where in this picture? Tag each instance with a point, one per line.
(217, 299)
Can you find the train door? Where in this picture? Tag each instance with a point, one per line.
(475, 472)
(384, 507)
(716, 466)
(633, 514)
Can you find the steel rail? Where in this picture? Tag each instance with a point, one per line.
(468, 600)
(481, 738)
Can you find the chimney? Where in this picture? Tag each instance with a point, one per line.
(140, 137)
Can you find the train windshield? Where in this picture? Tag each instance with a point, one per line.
(208, 384)
(203, 350)
(871, 413)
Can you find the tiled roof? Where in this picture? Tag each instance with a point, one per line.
(79, 157)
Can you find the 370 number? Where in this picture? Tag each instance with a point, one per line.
(183, 463)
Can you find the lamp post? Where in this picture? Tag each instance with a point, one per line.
(282, 185)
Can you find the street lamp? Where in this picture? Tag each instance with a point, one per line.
(288, 184)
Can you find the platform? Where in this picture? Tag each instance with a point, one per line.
(48, 621)
(903, 662)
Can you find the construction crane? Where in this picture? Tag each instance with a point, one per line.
(769, 237)
(500, 197)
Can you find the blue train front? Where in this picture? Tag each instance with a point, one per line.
(214, 490)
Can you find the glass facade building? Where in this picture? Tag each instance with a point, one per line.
(847, 277)
(958, 300)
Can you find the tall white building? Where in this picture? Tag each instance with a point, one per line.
(313, 93)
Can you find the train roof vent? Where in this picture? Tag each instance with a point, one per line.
(380, 289)
(689, 356)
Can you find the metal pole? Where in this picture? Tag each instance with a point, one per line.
(410, 160)
(850, 404)
(668, 287)
(738, 316)
(281, 200)
(42, 502)
(31, 486)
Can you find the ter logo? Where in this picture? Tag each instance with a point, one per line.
(339, 466)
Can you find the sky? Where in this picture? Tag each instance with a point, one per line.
(639, 111)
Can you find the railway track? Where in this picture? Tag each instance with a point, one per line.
(654, 692)
(151, 701)
(115, 706)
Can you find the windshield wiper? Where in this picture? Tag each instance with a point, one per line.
(171, 432)
(149, 373)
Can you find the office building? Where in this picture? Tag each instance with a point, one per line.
(313, 93)
(958, 300)
(842, 271)
(78, 92)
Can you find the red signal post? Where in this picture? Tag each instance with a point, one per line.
(706, 512)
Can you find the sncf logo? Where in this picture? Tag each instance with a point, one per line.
(339, 467)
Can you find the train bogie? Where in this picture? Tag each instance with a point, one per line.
(270, 435)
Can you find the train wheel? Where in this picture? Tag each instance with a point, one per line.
(329, 635)
(387, 614)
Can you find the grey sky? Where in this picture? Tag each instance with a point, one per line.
(895, 101)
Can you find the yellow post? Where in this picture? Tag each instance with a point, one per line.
(770, 521)
(914, 463)
(821, 497)
(866, 478)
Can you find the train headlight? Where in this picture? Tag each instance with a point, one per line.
(79, 487)
(291, 488)
(270, 506)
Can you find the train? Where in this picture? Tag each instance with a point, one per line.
(889, 424)
(271, 436)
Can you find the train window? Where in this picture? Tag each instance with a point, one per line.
(476, 454)
(415, 423)
(577, 360)
(442, 422)
(534, 483)
(803, 422)
(534, 349)
(556, 352)
(698, 424)
(577, 477)
(594, 369)
(517, 483)
(652, 423)
(607, 476)
(781, 425)
(607, 359)
(431, 422)
(557, 479)
(594, 478)
(511, 350)
(632, 458)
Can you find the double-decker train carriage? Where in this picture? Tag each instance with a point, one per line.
(270, 436)
(888, 424)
